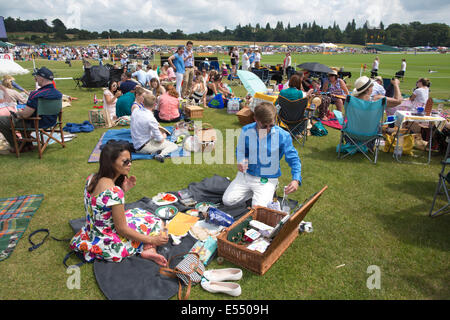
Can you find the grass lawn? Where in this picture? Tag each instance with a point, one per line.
(370, 214)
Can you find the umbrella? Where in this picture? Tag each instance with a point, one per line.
(314, 67)
(251, 82)
(9, 67)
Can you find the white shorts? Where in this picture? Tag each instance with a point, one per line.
(246, 186)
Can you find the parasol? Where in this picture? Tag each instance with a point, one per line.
(251, 82)
(9, 67)
(314, 67)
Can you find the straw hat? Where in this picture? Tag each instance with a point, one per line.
(362, 84)
(333, 73)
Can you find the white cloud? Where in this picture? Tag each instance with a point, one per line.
(202, 15)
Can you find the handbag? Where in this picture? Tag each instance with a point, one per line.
(188, 271)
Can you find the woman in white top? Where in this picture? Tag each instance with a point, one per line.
(245, 60)
(110, 96)
(420, 95)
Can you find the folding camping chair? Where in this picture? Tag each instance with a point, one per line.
(291, 117)
(362, 131)
(45, 107)
(263, 74)
(444, 178)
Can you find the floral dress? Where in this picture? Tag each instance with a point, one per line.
(98, 238)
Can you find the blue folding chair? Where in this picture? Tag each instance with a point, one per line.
(362, 130)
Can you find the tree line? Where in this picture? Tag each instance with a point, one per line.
(403, 35)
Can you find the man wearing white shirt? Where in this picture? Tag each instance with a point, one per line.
(287, 63)
(145, 131)
(151, 73)
(140, 75)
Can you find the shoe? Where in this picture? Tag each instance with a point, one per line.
(159, 158)
(230, 288)
(223, 274)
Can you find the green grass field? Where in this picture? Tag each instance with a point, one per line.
(370, 214)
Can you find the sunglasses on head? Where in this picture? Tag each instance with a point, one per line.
(127, 162)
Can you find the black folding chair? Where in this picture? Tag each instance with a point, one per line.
(444, 179)
(291, 117)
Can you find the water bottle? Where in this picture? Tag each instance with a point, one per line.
(398, 150)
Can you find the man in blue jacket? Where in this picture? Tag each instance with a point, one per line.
(261, 146)
(44, 78)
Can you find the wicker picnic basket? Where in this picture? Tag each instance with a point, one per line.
(261, 262)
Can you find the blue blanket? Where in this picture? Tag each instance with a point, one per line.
(125, 134)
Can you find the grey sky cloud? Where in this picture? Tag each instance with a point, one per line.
(203, 15)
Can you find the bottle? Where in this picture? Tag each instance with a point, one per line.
(284, 203)
(398, 150)
(274, 205)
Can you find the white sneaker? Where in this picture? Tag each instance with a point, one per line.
(230, 288)
(223, 274)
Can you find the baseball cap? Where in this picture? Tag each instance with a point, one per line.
(44, 73)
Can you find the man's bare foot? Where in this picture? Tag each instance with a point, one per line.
(151, 254)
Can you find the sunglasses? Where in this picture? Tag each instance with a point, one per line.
(266, 126)
(127, 162)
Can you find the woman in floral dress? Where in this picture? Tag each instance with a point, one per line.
(111, 233)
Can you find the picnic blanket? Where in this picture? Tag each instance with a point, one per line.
(15, 215)
(332, 123)
(125, 135)
(135, 278)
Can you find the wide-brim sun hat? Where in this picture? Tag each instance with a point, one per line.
(333, 73)
(362, 84)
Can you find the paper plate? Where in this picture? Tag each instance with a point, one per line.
(166, 212)
(158, 199)
(211, 229)
(200, 205)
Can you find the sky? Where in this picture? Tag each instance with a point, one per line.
(204, 15)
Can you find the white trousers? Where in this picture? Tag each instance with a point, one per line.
(246, 186)
(179, 80)
(153, 146)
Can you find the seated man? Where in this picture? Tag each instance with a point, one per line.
(261, 145)
(146, 133)
(140, 75)
(44, 78)
(126, 84)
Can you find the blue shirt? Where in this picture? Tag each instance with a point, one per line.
(46, 92)
(178, 62)
(141, 76)
(264, 154)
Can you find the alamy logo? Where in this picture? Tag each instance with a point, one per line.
(374, 281)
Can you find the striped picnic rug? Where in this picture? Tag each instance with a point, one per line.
(15, 215)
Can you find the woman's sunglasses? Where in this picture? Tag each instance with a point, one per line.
(127, 162)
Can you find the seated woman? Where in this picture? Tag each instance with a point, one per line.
(139, 98)
(167, 73)
(418, 98)
(156, 88)
(294, 91)
(199, 89)
(146, 133)
(224, 70)
(219, 87)
(168, 106)
(110, 96)
(337, 89)
(111, 233)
